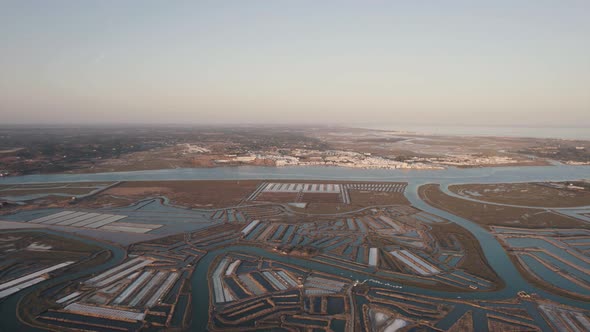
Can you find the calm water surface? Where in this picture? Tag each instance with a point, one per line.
(493, 251)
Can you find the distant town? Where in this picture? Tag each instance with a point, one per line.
(51, 150)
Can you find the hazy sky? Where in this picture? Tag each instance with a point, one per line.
(524, 62)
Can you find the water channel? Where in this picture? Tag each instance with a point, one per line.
(8, 306)
(493, 251)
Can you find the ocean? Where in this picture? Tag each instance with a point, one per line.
(574, 133)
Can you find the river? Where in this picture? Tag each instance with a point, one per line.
(446, 176)
(8, 306)
(493, 251)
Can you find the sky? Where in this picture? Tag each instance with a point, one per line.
(501, 62)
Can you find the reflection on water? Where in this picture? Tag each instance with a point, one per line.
(493, 251)
(451, 175)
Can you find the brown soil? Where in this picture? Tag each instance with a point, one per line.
(326, 203)
(51, 185)
(68, 191)
(41, 203)
(321, 198)
(498, 323)
(520, 162)
(277, 197)
(488, 215)
(139, 191)
(330, 208)
(529, 194)
(86, 256)
(104, 201)
(473, 261)
(369, 198)
(465, 323)
(542, 284)
(70, 188)
(203, 194)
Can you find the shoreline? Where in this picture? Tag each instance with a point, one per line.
(510, 174)
(436, 167)
(117, 254)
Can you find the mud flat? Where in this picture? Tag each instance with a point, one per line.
(74, 188)
(365, 240)
(465, 323)
(251, 292)
(543, 194)
(536, 280)
(33, 196)
(36, 248)
(203, 194)
(496, 215)
(148, 289)
(260, 289)
(554, 260)
(473, 259)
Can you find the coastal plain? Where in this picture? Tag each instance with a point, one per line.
(290, 255)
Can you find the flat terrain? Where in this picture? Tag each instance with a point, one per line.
(51, 195)
(192, 194)
(70, 188)
(58, 248)
(488, 215)
(319, 239)
(404, 145)
(473, 261)
(367, 198)
(358, 200)
(543, 284)
(528, 194)
(26, 252)
(360, 195)
(206, 194)
(33, 150)
(64, 191)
